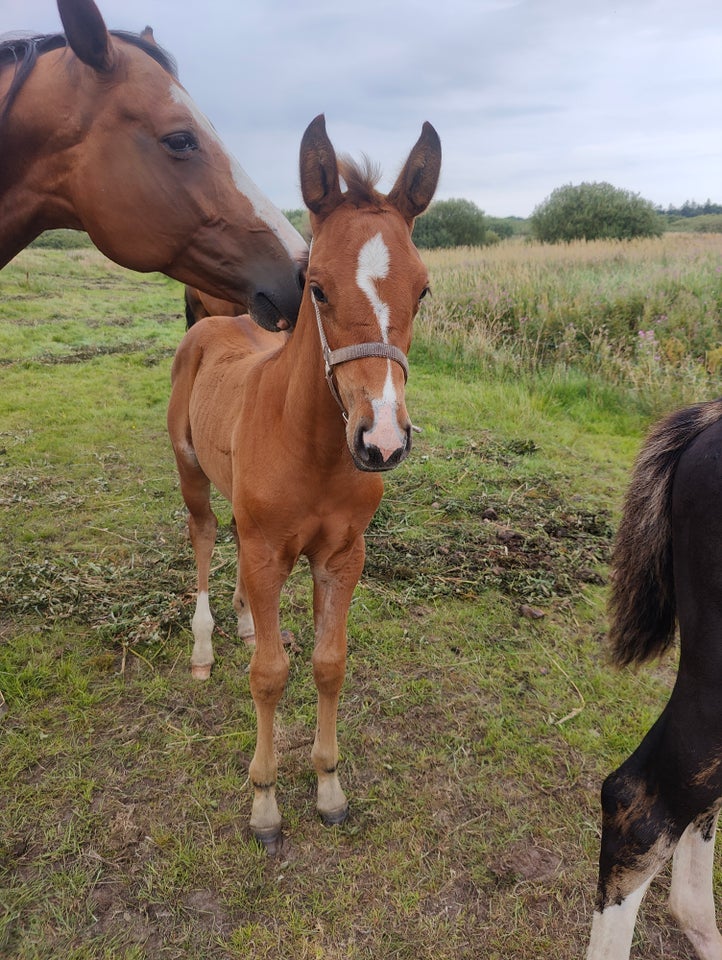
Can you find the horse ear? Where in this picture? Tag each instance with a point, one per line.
(147, 35)
(319, 171)
(415, 186)
(87, 34)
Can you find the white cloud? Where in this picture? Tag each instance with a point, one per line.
(526, 94)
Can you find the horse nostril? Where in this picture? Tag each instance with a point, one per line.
(369, 456)
(360, 448)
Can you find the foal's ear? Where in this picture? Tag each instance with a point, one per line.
(415, 186)
(87, 34)
(319, 171)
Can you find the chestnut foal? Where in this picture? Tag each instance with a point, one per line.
(295, 437)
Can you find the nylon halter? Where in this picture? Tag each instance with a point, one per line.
(333, 358)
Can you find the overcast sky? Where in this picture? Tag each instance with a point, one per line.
(527, 95)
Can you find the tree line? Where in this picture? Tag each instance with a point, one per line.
(691, 208)
(585, 211)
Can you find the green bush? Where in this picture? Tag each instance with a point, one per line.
(451, 223)
(705, 223)
(62, 240)
(506, 227)
(594, 211)
(299, 220)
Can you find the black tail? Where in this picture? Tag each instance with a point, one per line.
(642, 603)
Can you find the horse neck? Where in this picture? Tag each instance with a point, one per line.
(308, 403)
(36, 157)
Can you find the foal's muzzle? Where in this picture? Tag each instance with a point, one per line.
(370, 457)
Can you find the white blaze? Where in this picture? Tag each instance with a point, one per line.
(373, 264)
(264, 209)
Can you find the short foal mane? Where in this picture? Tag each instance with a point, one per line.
(23, 52)
(360, 178)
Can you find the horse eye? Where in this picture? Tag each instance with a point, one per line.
(424, 292)
(180, 144)
(318, 295)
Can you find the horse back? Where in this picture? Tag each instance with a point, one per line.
(697, 551)
(214, 368)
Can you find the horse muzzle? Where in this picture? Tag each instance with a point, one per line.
(383, 445)
(274, 305)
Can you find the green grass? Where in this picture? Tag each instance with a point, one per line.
(639, 316)
(474, 739)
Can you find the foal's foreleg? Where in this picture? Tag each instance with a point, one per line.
(334, 583)
(264, 575)
(690, 899)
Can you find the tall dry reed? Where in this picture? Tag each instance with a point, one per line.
(643, 314)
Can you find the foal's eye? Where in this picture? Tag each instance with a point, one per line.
(180, 144)
(318, 295)
(424, 292)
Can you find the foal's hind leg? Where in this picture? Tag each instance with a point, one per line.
(202, 526)
(246, 627)
(613, 926)
(203, 537)
(690, 899)
(638, 838)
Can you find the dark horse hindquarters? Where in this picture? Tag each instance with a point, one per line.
(664, 800)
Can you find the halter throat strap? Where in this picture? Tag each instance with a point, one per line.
(332, 358)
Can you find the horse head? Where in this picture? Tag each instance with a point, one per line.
(108, 141)
(365, 282)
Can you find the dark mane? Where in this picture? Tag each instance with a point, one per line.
(23, 52)
(361, 179)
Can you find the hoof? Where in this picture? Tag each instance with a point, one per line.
(271, 840)
(334, 818)
(201, 671)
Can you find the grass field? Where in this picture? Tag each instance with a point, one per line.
(479, 716)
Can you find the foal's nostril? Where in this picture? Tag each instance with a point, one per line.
(370, 457)
(359, 445)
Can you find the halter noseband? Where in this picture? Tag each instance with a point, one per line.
(332, 358)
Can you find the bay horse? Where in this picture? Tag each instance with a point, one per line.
(664, 800)
(296, 436)
(199, 305)
(98, 135)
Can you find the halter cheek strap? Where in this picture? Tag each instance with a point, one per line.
(332, 358)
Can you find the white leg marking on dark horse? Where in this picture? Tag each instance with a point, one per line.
(613, 929)
(202, 625)
(690, 898)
